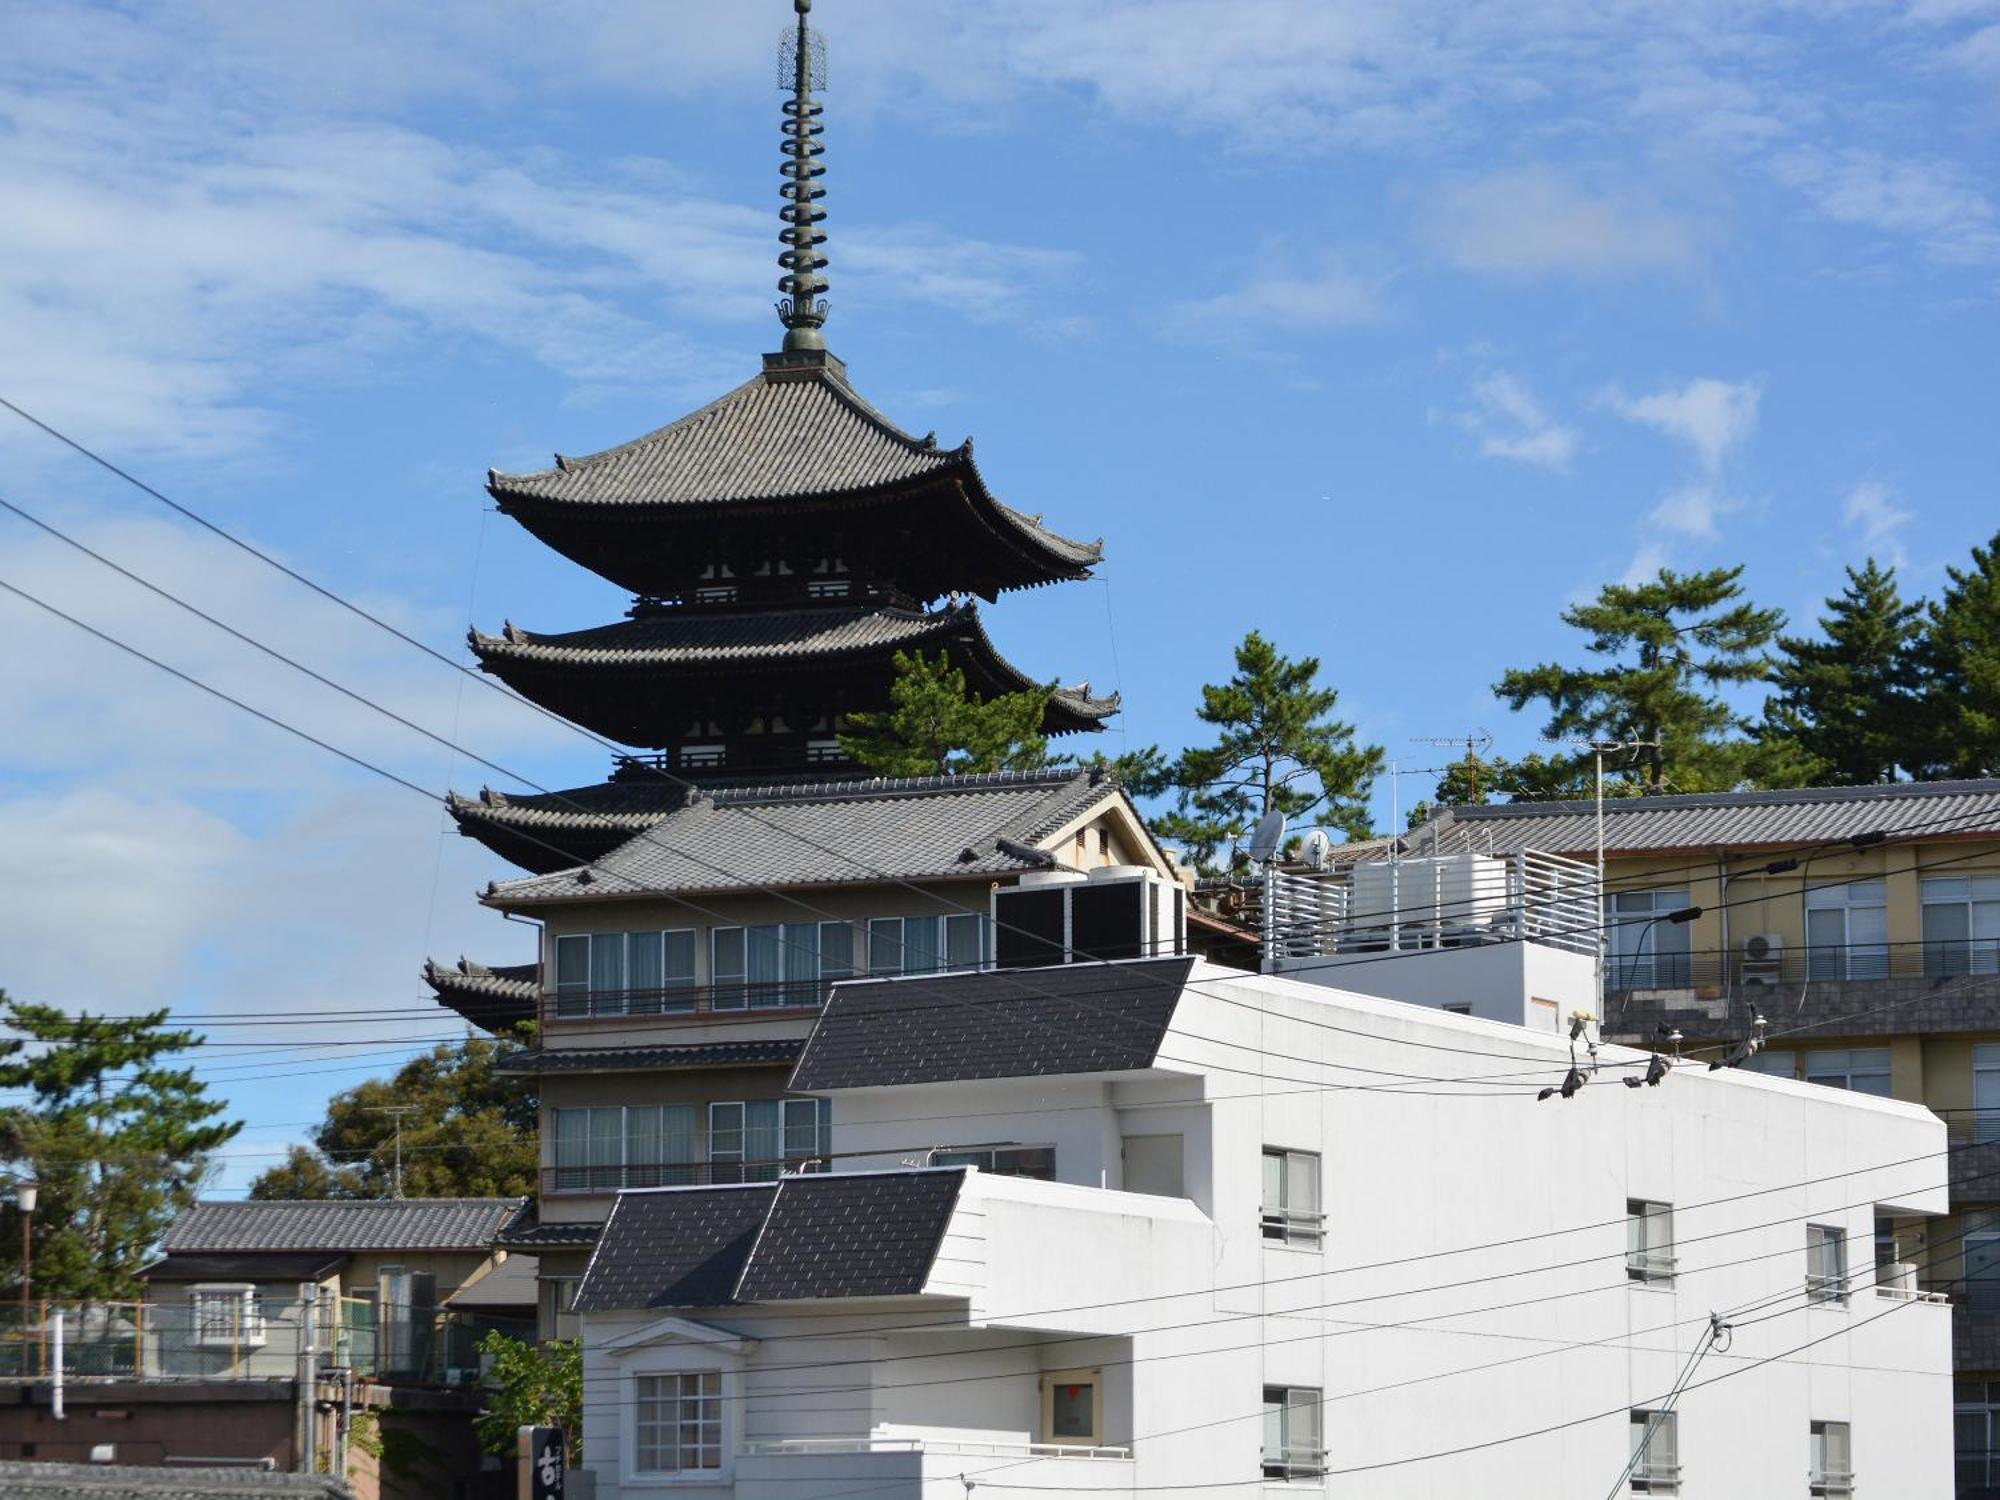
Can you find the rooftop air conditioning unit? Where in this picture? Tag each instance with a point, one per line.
(1763, 958)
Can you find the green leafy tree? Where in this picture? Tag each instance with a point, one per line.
(1847, 701)
(117, 1135)
(1280, 749)
(472, 1135)
(1666, 646)
(1145, 772)
(1958, 663)
(936, 727)
(532, 1385)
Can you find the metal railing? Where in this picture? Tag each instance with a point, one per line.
(1418, 904)
(248, 1333)
(688, 1000)
(1295, 1463)
(1293, 1226)
(581, 1180)
(766, 1447)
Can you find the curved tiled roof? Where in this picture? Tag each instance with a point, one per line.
(777, 1052)
(938, 827)
(1708, 820)
(351, 1224)
(782, 435)
(695, 640)
(494, 999)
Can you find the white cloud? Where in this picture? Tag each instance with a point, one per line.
(1510, 422)
(1712, 416)
(1691, 510)
(1937, 204)
(1877, 522)
(1280, 302)
(1536, 220)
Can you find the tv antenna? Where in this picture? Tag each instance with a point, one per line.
(1476, 744)
(1600, 746)
(396, 1111)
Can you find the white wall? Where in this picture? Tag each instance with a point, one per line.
(1471, 1286)
(1527, 984)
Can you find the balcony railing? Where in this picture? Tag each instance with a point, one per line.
(256, 1338)
(1426, 903)
(582, 1180)
(687, 1000)
(762, 1447)
(1293, 1226)
(1793, 964)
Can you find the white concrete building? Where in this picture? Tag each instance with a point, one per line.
(1163, 1227)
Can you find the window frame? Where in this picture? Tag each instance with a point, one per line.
(1822, 1479)
(1282, 1223)
(210, 1300)
(1649, 1227)
(1850, 958)
(1046, 1400)
(968, 1156)
(703, 1399)
(1649, 1476)
(1970, 953)
(1824, 1287)
(1292, 1460)
(1848, 1072)
(1661, 953)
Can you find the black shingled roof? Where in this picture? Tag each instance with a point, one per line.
(628, 1059)
(1006, 1023)
(818, 1235)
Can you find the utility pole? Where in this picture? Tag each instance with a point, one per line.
(1599, 748)
(396, 1111)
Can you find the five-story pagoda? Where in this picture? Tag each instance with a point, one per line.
(782, 543)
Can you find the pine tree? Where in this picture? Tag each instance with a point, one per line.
(473, 1134)
(1847, 701)
(936, 727)
(117, 1137)
(1958, 667)
(1279, 751)
(1671, 641)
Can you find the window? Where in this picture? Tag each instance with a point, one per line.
(725, 967)
(1832, 1460)
(558, 1297)
(1985, 1092)
(678, 1426)
(1649, 1241)
(1847, 931)
(1006, 1161)
(751, 1140)
(1961, 924)
(1975, 1434)
(1656, 1465)
(619, 973)
(836, 950)
(1648, 951)
(1291, 1197)
(1292, 1446)
(1865, 1070)
(1779, 1063)
(601, 1150)
(1981, 1251)
(227, 1316)
(965, 941)
(1887, 1252)
(926, 945)
(1826, 1263)
(1073, 1407)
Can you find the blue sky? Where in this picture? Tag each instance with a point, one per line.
(1385, 326)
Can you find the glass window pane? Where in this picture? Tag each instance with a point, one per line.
(607, 973)
(766, 957)
(573, 961)
(607, 1137)
(836, 949)
(1302, 1182)
(725, 967)
(1072, 1409)
(762, 1137)
(885, 945)
(572, 1129)
(725, 1132)
(677, 966)
(801, 959)
(920, 945)
(645, 954)
(801, 1128)
(1274, 1180)
(965, 941)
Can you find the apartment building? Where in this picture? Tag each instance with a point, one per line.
(1160, 1226)
(688, 966)
(1862, 925)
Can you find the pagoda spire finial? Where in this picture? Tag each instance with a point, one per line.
(802, 68)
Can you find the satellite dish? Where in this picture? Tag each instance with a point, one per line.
(1318, 848)
(1266, 838)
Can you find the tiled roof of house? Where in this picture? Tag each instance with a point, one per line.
(837, 833)
(1004, 1023)
(630, 1059)
(525, 1231)
(496, 999)
(46, 1481)
(341, 1224)
(250, 1265)
(1708, 820)
(818, 1235)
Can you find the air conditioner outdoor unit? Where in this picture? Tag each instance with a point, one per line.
(1764, 948)
(1763, 959)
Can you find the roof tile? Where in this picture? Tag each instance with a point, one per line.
(341, 1224)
